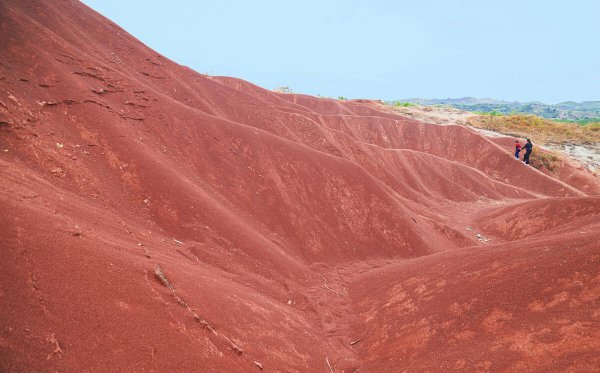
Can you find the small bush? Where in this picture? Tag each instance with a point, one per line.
(403, 104)
(544, 159)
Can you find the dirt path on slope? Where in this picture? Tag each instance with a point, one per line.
(344, 329)
(587, 155)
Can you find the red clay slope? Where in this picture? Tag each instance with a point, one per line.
(532, 307)
(158, 219)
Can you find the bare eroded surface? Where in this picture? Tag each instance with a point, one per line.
(155, 219)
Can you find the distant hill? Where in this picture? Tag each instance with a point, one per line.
(568, 110)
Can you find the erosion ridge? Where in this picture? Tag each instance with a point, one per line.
(158, 219)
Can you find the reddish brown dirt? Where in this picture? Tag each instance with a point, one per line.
(155, 219)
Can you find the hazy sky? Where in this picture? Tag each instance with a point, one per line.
(506, 49)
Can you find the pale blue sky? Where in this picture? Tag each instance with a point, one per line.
(505, 49)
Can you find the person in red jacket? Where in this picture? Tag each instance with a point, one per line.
(517, 149)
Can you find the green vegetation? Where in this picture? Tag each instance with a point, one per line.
(492, 113)
(342, 98)
(586, 110)
(581, 122)
(399, 103)
(403, 104)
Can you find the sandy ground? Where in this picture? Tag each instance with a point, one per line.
(587, 155)
(434, 115)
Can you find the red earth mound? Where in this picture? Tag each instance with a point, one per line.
(540, 216)
(156, 219)
(531, 307)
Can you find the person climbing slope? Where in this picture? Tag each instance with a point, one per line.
(517, 149)
(528, 148)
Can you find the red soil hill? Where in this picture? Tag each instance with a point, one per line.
(155, 219)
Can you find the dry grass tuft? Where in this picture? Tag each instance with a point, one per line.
(551, 161)
(540, 129)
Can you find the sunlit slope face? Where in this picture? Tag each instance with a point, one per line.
(159, 219)
(511, 307)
